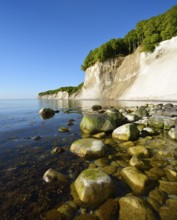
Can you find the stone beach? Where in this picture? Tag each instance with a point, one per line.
(132, 170)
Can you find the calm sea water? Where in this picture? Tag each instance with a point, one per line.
(23, 160)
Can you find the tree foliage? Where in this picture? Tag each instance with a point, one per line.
(148, 33)
(69, 89)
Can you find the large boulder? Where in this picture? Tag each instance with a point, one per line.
(156, 121)
(88, 148)
(132, 207)
(92, 187)
(160, 121)
(126, 132)
(138, 181)
(46, 113)
(97, 122)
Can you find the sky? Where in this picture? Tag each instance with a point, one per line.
(43, 43)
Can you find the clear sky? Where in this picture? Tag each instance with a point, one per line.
(44, 42)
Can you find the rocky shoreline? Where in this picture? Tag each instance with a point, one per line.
(132, 171)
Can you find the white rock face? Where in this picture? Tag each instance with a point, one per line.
(145, 76)
(59, 95)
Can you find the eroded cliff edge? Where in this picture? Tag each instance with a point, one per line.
(138, 76)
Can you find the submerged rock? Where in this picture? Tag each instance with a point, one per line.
(132, 207)
(52, 176)
(92, 187)
(96, 107)
(88, 148)
(126, 132)
(46, 113)
(138, 151)
(108, 211)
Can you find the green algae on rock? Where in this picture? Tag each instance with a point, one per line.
(92, 187)
(126, 132)
(88, 148)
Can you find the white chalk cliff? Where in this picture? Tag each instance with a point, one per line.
(139, 76)
(59, 95)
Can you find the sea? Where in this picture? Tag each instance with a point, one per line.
(26, 142)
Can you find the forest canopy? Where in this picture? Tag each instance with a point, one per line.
(147, 34)
(69, 89)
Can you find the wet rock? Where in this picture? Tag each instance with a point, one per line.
(92, 187)
(36, 138)
(57, 111)
(102, 162)
(132, 207)
(141, 112)
(108, 211)
(171, 174)
(88, 148)
(96, 107)
(138, 181)
(148, 131)
(158, 195)
(52, 176)
(63, 129)
(169, 123)
(155, 205)
(169, 212)
(46, 113)
(67, 210)
(94, 123)
(155, 173)
(110, 169)
(131, 117)
(136, 162)
(138, 151)
(172, 133)
(168, 187)
(126, 144)
(99, 135)
(126, 132)
(156, 121)
(57, 150)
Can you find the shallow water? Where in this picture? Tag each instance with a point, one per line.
(23, 160)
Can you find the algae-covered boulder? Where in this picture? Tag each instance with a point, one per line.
(138, 181)
(126, 132)
(46, 113)
(156, 121)
(141, 112)
(88, 148)
(97, 122)
(92, 187)
(132, 207)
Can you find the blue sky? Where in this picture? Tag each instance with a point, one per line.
(44, 42)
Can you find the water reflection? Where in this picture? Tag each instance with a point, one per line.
(84, 105)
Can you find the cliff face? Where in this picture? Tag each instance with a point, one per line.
(59, 95)
(139, 76)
